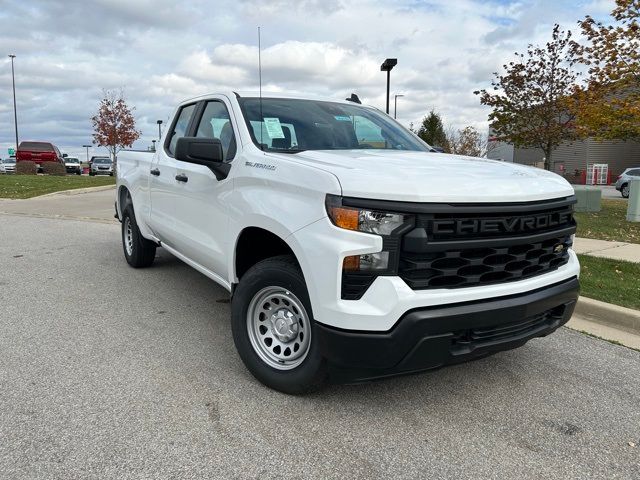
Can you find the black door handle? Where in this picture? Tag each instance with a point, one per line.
(155, 172)
(182, 178)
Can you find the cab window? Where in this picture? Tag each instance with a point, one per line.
(180, 126)
(216, 123)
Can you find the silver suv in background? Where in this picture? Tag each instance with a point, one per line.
(624, 180)
(101, 166)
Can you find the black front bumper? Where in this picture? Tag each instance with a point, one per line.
(431, 337)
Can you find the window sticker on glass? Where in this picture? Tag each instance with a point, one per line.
(274, 129)
(342, 118)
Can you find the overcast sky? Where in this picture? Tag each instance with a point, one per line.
(163, 51)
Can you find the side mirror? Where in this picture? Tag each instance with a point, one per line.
(203, 151)
(65, 155)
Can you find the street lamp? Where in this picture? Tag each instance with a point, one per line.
(159, 122)
(395, 104)
(154, 145)
(15, 114)
(387, 66)
(87, 147)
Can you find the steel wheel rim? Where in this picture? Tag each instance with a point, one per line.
(279, 328)
(625, 190)
(128, 236)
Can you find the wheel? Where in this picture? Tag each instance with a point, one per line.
(138, 251)
(91, 174)
(78, 173)
(625, 190)
(272, 325)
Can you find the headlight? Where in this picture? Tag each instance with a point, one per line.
(362, 220)
(389, 225)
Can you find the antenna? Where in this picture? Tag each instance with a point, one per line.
(260, 87)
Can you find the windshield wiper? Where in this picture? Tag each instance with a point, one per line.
(285, 150)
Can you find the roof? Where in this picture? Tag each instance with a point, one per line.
(267, 94)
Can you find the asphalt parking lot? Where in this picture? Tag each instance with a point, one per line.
(110, 372)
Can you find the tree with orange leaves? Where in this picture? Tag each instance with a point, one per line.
(114, 126)
(609, 104)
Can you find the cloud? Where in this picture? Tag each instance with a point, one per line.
(163, 51)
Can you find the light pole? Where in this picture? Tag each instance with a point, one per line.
(395, 104)
(154, 145)
(87, 147)
(387, 66)
(159, 122)
(15, 113)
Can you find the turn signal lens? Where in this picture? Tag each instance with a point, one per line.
(351, 263)
(345, 218)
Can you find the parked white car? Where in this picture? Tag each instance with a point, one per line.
(623, 183)
(350, 249)
(8, 165)
(73, 165)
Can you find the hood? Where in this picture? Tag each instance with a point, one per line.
(434, 177)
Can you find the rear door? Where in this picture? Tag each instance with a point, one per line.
(164, 188)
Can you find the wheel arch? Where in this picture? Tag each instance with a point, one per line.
(254, 244)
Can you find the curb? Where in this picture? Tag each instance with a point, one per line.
(610, 315)
(76, 191)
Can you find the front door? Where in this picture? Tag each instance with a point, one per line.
(197, 205)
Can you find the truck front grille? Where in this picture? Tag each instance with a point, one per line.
(471, 245)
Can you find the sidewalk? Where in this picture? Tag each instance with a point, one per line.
(604, 249)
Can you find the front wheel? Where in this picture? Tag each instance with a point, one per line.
(272, 326)
(625, 190)
(138, 251)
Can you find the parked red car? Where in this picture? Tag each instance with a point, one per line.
(38, 152)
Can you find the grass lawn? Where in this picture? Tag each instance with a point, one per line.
(608, 224)
(611, 281)
(27, 186)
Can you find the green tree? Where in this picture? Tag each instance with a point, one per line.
(609, 104)
(532, 98)
(432, 131)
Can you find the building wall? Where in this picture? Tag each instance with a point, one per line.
(618, 154)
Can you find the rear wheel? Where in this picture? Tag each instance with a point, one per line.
(625, 190)
(272, 326)
(138, 251)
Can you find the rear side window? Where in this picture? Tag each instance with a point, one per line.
(215, 123)
(36, 147)
(180, 126)
(634, 173)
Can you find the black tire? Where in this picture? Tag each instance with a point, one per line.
(624, 190)
(280, 272)
(142, 252)
(91, 174)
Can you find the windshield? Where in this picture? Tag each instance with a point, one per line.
(71, 160)
(9, 160)
(36, 147)
(293, 125)
(101, 160)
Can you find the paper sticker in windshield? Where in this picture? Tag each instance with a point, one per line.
(274, 129)
(342, 118)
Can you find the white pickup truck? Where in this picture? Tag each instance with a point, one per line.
(351, 249)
